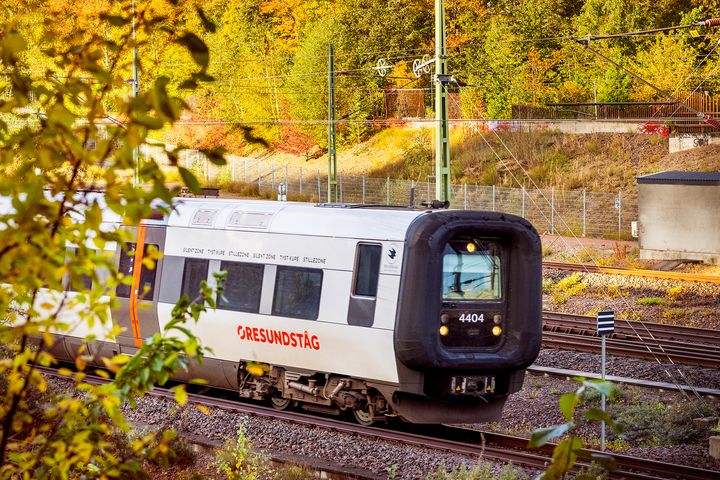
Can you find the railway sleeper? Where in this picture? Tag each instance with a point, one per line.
(315, 391)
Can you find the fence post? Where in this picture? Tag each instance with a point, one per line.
(552, 211)
(272, 177)
(584, 212)
(465, 196)
(412, 193)
(301, 180)
(522, 206)
(493, 199)
(388, 190)
(363, 189)
(619, 207)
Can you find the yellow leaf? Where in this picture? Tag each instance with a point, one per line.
(102, 373)
(80, 363)
(65, 371)
(180, 394)
(203, 409)
(46, 306)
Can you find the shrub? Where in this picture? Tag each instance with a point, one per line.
(566, 288)
(648, 301)
(674, 292)
(480, 471)
(237, 460)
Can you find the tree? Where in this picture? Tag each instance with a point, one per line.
(47, 170)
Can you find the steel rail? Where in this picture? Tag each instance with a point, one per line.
(633, 349)
(581, 267)
(481, 444)
(555, 321)
(648, 340)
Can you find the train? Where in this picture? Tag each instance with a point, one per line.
(429, 315)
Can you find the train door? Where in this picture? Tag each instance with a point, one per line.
(137, 315)
(363, 296)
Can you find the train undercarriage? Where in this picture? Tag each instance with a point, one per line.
(314, 391)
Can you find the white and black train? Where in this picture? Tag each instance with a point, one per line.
(429, 315)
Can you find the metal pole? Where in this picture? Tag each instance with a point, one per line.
(552, 211)
(332, 152)
(412, 193)
(136, 91)
(442, 144)
(602, 395)
(619, 213)
(584, 213)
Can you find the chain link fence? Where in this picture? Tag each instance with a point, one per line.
(562, 212)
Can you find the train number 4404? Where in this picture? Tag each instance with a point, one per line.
(472, 317)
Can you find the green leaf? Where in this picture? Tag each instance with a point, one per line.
(114, 20)
(189, 179)
(152, 123)
(197, 48)
(568, 402)
(208, 25)
(162, 100)
(541, 436)
(602, 386)
(564, 457)
(598, 414)
(215, 155)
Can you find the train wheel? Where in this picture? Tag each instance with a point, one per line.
(364, 417)
(280, 403)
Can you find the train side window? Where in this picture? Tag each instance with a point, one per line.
(367, 270)
(147, 276)
(84, 282)
(242, 287)
(297, 292)
(194, 272)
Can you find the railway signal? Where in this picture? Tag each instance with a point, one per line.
(605, 327)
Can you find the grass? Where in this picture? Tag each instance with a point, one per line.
(651, 301)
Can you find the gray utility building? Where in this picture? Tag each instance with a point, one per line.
(679, 216)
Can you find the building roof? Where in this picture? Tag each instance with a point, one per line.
(681, 178)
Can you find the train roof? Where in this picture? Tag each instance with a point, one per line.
(293, 218)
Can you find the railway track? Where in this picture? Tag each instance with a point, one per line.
(650, 341)
(581, 267)
(483, 445)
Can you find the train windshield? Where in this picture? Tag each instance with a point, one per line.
(471, 269)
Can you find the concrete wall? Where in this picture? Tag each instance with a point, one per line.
(679, 222)
(690, 141)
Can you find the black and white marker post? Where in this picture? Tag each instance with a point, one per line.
(605, 327)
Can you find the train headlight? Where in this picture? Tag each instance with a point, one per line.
(497, 330)
(444, 318)
(444, 330)
(497, 319)
(471, 247)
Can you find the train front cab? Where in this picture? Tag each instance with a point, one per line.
(469, 317)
